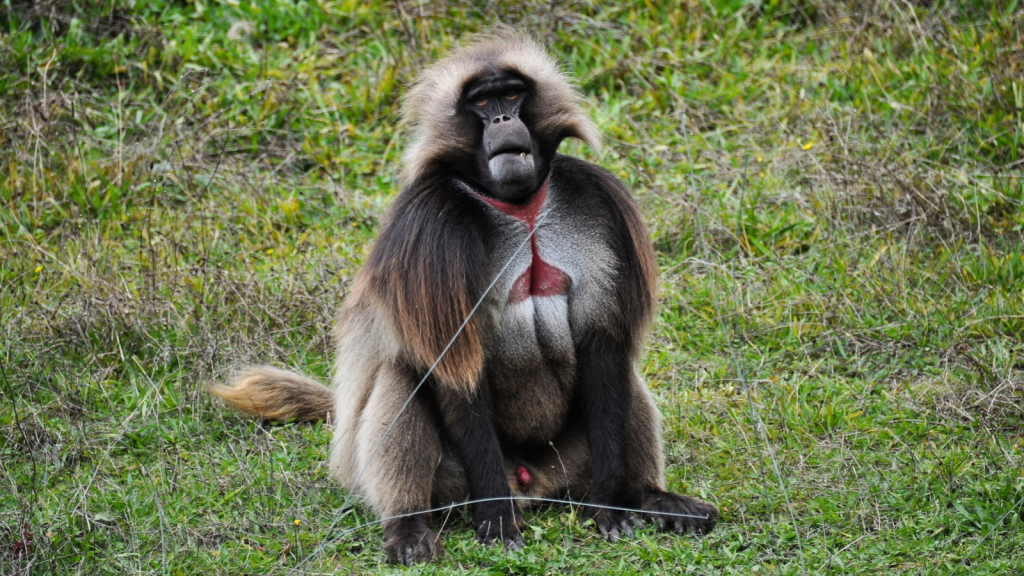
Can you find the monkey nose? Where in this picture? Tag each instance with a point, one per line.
(502, 118)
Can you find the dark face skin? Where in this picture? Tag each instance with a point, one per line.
(512, 162)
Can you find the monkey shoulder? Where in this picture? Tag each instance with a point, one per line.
(597, 196)
(593, 188)
(431, 222)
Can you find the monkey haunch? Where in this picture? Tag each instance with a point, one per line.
(539, 396)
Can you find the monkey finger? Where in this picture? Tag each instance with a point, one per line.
(659, 521)
(684, 526)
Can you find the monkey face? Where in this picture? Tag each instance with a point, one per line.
(510, 162)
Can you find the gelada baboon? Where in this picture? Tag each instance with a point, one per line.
(539, 395)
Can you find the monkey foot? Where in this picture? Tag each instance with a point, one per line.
(410, 540)
(612, 524)
(679, 513)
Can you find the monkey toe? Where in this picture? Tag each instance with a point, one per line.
(612, 524)
(680, 514)
(409, 541)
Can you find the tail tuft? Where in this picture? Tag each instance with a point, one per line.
(272, 394)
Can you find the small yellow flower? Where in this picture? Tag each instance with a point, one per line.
(39, 269)
(759, 159)
(809, 145)
(297, 521)
(270, 250)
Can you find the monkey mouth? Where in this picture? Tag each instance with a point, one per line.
(522, 153)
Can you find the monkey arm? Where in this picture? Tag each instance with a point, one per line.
(469, 428)
(603, 401)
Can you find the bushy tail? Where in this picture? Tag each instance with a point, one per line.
(272, 394)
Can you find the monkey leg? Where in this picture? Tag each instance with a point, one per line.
(397, 471)
(450, 486)
(645, 471)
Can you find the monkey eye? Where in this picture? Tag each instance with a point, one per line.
(481, 102)
(512, 95)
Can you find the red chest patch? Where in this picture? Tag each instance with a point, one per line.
(540, 278)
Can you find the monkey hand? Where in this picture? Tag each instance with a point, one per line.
(611, 523)
(499, 521)
(679, 513)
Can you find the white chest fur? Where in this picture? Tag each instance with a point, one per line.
(554, 287)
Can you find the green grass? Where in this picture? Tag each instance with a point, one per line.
(835, 190)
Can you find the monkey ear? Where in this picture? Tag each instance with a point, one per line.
(571, 123)
(587, 132)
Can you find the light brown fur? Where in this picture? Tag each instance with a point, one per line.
(272, 394)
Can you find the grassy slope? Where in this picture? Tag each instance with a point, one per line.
(836, 196)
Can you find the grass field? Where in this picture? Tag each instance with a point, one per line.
(835, 191)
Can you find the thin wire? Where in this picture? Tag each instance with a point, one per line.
(755, 415)
(455, 505)
(430, 371)
(521, 499)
